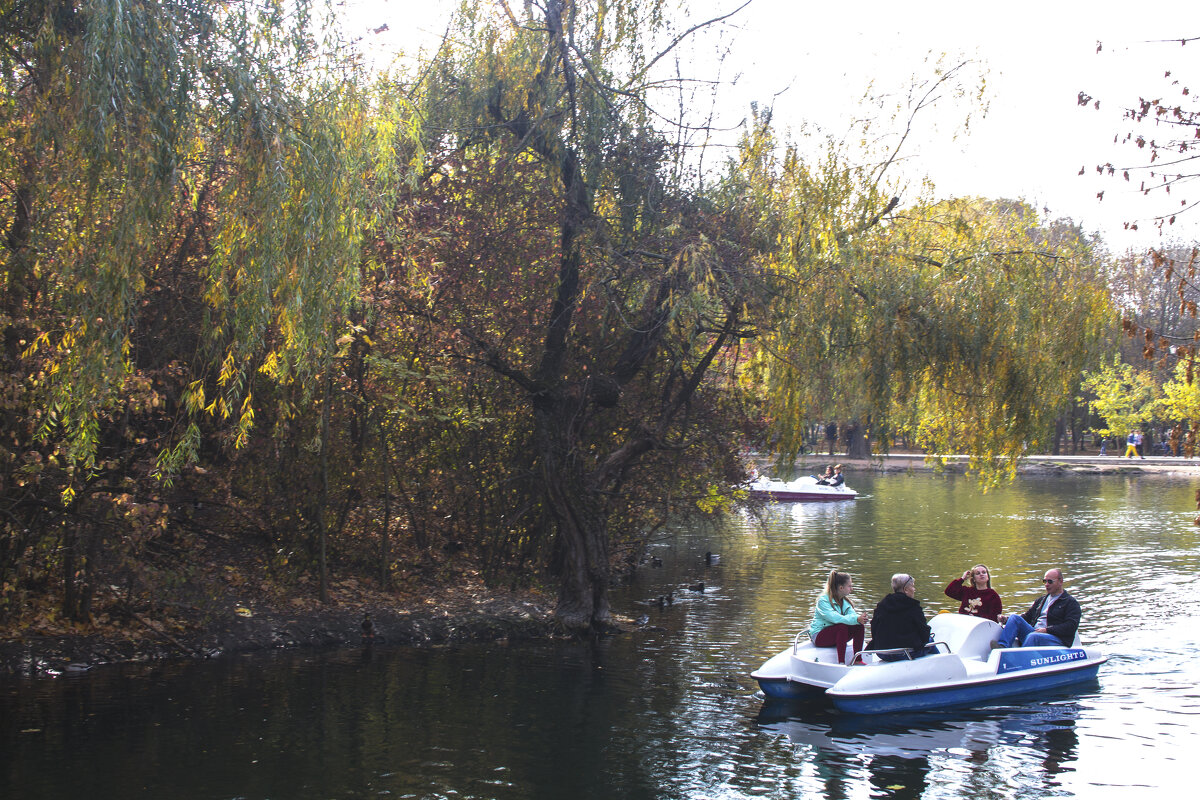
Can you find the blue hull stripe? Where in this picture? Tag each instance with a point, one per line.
(784, 689)
(916, 699)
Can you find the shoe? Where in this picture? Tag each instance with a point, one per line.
(998, 646)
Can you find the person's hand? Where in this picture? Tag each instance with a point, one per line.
(1040, 630)
(966, 576)
(1003, 618)
(862, 619)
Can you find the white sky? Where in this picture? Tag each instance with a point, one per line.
(1039, 54)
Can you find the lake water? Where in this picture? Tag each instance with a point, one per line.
(670, 711)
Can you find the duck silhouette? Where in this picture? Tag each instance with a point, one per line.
(368, 630)
(697, 587)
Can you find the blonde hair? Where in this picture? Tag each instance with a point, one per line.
(989, 572)
(835, 580)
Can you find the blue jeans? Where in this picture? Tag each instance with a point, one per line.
(1019, 632)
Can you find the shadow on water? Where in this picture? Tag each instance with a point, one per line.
(898, 750)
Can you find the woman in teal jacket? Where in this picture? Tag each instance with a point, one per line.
(835, 620)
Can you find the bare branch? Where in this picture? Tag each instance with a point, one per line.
(681, 37)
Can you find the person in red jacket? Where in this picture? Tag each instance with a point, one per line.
(975, 594)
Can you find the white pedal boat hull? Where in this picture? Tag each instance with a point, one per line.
(970, 673)
(800, 490)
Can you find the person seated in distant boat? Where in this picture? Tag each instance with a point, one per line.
(823, 480)
(975, 594)
(835, 620)
(1050, 622)
(898, 622)
(838, 478)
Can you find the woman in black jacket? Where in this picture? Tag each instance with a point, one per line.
(899, 622)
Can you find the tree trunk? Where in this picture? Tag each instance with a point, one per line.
(858, 443)
(323, 498)
(583, 555)
(385, 542)
(17, 239)
(580, 521)
(80, 549)
(70, 605)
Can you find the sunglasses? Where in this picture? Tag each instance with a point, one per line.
(1047, 580)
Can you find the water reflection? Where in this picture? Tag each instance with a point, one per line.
(815, 723)
(898, 751)
(669, 711)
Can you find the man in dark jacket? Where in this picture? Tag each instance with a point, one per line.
(1050, 622)
(899, 622)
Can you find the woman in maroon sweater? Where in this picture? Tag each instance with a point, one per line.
(975, 593)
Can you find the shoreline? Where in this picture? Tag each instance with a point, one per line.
(459, 615)
(1093, 464)
(466, 612)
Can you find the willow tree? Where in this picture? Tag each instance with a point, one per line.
(617, 302)
(946, 323)
(939, 319)
(605, 309)
(186, 193)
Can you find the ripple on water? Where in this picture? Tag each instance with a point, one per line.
(669, 710)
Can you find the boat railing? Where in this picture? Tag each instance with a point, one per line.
(893, 651)
(797, 640)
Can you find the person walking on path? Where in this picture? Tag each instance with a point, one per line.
(1131, 444)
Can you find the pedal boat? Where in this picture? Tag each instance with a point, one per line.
(800, 490)
(965, 671)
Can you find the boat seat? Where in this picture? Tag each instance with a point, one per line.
(827, 655)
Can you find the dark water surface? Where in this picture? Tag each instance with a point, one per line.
(670, 712)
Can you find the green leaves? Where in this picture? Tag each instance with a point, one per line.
(160, 140)
(946, 324)
(1125, 398)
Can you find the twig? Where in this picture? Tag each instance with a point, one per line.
(155, 629)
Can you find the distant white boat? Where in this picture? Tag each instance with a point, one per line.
(800, 490)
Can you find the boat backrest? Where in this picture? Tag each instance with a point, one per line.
(965, 635)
